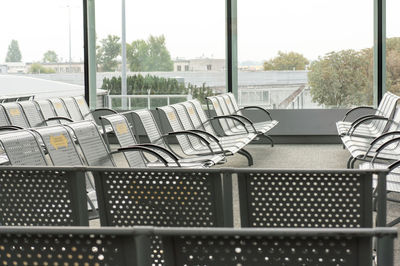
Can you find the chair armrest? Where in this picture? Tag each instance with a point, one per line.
(256, 107)
(229, 117)
(100, 110)
(142, 149)
(10, 128)
(211, 136)
(162, 149)
(55, 118)
(191, 134)
(377, 139)
(354, 127)
(247, 120)
(356, 108)
(383, 146)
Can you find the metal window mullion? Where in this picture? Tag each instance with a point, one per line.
(231, 47)
(379, 50)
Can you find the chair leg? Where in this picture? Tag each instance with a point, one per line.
(349, 162)
(247, 155)
(270, 139)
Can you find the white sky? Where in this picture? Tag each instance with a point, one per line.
(197, 28)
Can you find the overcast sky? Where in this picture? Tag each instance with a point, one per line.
(196, 28)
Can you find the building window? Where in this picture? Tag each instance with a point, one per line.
(186, 68)
(179, 68)
(208, 67)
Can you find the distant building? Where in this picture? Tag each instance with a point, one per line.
(15, 68)
(3, 69)
(201, 64)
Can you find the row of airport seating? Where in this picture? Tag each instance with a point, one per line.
(373, 140)
(327, 215)
(287, 217)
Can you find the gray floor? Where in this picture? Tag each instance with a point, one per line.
(298, 156)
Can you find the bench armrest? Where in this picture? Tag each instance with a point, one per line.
(256, 107)
(211, 136)
(142, 149)
(377, 139)
(357, 108)
(162, 149)
(362, 121)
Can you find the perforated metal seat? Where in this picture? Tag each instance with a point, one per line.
(274, 247)
(305, 198)
(370, 125)
(191, 143)
(148, 123)
(48, 111)
(160, 197)
(233, 124)
(233, 108)
(71, 246)
(15, 114)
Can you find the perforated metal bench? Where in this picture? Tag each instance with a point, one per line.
(234, 123)
(275, 247)
(42, 196)
(72, 246)
(146, 121)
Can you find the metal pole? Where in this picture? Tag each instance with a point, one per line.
(379, 50)
(124, 91)
(92, 53)
(231, 47)
(86, 49)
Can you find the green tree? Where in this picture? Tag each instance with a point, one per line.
(287, 61)
(108, 52)
(150, 55)
(50, 57)
(37, 68)
(13, 53)
(340, 78)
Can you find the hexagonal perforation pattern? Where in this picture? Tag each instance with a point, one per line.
(240, 250)
(33, 197)
(305, 200)
(47, 249)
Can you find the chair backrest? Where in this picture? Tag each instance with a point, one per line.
(149, 124)
(69, 246)
(125, 137)
(277, 247)
(202, 116)
(42, 196)
(387, 109)
(15, 114)
(186, 123)
(233, 102)
(47, 111)
(228, 103)
(3, 117)
(159, 197)
(22, 148)
(226, 124)
(175, 124)
(304, 198)
(84, 108)
(60, 146)
(72, 108)
(91, 143)
(32, 113)
(59, 107)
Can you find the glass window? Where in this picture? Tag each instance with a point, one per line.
(41, 48)
(392, 47)
(159, 47)
(306, 54)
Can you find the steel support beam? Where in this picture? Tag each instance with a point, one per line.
(379, 50)
(231, 47)
(91, 47)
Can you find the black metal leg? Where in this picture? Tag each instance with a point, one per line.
(270, 139)
(349, 162)
(247, 155)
